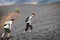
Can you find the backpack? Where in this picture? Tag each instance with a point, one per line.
(26, 20)
(7, 24)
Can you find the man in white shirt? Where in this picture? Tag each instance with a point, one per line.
(28, 23)
(7, 28)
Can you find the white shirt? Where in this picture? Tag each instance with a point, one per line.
(8, 24)
(29, 21)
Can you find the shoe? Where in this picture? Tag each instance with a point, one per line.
(1, 38)
(24, 32)
(29, 30)
(8, 38)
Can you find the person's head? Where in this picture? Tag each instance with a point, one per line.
(12, 19)
(33, 14)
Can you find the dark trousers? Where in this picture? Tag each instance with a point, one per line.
(27, 26)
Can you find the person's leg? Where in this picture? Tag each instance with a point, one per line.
(2, 35)
(27, 25)
(8, 36)
(30, 28)
(9, 33)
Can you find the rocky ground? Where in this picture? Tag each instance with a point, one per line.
(46, 23)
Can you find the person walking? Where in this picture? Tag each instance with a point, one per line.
(7, 28)
(28, 23)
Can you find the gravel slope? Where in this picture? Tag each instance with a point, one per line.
(46, 23)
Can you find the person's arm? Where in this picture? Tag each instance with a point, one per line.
(10, 26)
(30, 17)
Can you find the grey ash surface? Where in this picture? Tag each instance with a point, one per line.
(46, 23)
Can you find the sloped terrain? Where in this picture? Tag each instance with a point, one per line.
(46, 23)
